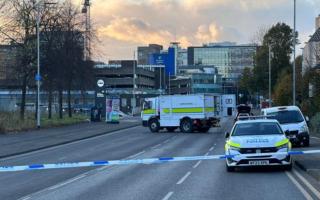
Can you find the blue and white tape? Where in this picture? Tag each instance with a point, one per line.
(138, 161)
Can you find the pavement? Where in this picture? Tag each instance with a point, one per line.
(166, 181)
(23, 142)
(310, 163)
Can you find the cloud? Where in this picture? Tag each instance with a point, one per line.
(208, 33)
(135, 31)
(125, 24)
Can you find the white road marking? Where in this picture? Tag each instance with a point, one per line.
(197, 164)
(137, 154)
(69, 181)
(211, 148)
(25, 198)
(297, 184)
(315, 138)
(156, 146)
(62, 158)
(168, 196)
(184, 178)
(206, 154)
(166, 141)
(66, 183)
(312, 189)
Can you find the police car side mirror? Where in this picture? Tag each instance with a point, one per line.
(227, 134)
(307, 119)
(287, 132)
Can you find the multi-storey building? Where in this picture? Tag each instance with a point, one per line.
(229, 58)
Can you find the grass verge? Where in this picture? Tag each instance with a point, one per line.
(11, 122)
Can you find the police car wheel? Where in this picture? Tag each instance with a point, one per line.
(288, 167)
(154, 125)
(306, 143)
(230, 168)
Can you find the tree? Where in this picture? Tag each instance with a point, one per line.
(18, 28)
(280, 37)
(283, 90)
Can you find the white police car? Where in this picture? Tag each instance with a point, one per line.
(253, 143)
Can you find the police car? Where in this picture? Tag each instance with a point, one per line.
(254, 142)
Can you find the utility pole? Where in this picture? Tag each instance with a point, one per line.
(87, 47)
(134, 83)
(270, 101)
(38, 76)
(294, 56)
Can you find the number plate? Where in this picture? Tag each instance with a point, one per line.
(292, 136)
(259, 162)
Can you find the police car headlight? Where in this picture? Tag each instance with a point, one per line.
(234, 148)
(304, 128)
(283, 146)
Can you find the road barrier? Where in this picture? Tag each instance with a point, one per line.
(140, 161)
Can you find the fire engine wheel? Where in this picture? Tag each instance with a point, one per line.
(154, 125)
(186, 126)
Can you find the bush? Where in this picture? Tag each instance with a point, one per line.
(315, 123)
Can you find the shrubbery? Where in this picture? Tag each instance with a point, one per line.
(315, 123)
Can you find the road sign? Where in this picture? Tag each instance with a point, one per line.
(100, 83)
(38, 77)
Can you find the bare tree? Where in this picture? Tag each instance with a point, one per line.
(258, 36)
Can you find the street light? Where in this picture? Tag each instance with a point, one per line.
(38, 76)
(294, 56)
(134, 83)
(270, 103)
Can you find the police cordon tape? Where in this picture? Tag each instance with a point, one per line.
(140, 161)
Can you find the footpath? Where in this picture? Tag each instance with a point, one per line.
(310, 163)
(23, 142)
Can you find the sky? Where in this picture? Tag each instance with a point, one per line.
(122, 25)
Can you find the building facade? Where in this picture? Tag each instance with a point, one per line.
(146, 52)
(8, 62)
(118, 76)
(230, 59)
(311, 51)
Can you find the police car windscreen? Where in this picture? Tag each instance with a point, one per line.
(257, 128)
(287, 116)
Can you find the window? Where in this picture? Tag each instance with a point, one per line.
(257, 128)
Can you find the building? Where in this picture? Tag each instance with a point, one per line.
(182, 58)
(116, 78)
(118, 75)
(204, 79)
(311, 51)
(146, 52)
(179, 85)
(8, 62)
(229, 58)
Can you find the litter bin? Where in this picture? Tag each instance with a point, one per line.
(95, 114)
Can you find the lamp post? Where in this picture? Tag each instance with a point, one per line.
(134, 84)
(294, 56)
(38, 76)
(270, 103)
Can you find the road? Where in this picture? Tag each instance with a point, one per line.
(180, 180)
